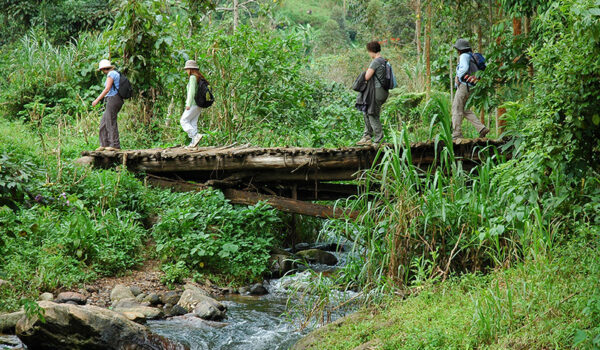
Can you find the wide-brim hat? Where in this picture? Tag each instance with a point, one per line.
(191, 64)
(105, 64)
(462, 44)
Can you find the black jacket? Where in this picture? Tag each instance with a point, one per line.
(365, 101)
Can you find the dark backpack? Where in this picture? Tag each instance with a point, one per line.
(479, 60)
(125, 90)
(389, 80)
(477, 63)
(204, 97)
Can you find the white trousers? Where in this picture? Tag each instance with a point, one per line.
(189, 121)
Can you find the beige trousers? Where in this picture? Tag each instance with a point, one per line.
(459, 112)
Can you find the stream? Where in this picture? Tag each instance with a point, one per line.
(253, 323)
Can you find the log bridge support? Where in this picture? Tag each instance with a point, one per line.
(285, 177)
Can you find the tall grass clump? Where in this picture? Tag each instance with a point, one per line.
(425, 224)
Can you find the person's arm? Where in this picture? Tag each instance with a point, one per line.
(109, 84)
(369, 73)
(191, 92)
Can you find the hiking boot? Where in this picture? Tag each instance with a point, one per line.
(364, 141)
(484, 132)
(100, 149)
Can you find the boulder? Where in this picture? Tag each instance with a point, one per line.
(141, 297)
(301, 246)
(71, 297)
(171, 297)
(282, 263)
(134, 316)
(46, 297)
(207, 310)
(174, 310)
(153, 299)
(191, 297)
(317, 256)
(131, 305)
(258, 289)
(9, 321)
(119, 292)
(87, 327)
(135, 290)
(205, 307)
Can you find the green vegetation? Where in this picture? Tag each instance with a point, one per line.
(542, 303)
(503, 255)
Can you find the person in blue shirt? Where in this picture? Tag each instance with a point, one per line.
(465, 67)
(109, 131)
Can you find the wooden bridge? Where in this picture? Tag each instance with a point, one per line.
(288, 178)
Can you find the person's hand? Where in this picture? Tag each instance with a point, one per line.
(95, 102)
(187, 108)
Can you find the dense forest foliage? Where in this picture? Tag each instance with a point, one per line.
(281, 72)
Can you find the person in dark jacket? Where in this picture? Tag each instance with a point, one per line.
(375, 75)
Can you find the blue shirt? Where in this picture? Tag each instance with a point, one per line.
(464, 62)
(114, 89)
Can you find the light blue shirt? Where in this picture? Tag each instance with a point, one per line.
(464, 62)
(114, 89)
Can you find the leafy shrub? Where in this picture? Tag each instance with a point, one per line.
(205, 232)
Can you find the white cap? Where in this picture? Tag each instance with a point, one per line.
(105, 64)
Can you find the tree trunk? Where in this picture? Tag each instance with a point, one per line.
(428, 49)
(480, 49)
(236, 14)
(418, 27)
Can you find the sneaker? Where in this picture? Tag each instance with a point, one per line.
(364, 141)
(484, 132)
(100, 149)
(195, 141)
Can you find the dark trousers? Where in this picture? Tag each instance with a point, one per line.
(109, 131)
(373, 128)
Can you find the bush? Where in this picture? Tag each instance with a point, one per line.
(206, 233)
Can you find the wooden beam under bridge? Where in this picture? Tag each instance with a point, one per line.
(250, 198)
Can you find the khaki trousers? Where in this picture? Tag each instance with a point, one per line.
(459, 112)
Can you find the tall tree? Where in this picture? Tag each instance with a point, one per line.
(428, 47)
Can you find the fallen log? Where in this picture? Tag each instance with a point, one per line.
(250, 198)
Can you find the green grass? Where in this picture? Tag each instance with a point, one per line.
(297, 11)
(538, 304)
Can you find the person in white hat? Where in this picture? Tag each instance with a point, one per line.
(189, 118)
(109, 131)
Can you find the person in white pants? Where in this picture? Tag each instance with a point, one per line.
(189, 118)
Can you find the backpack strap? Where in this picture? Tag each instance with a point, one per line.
(382, 65)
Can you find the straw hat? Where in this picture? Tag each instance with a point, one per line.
(191, 64)
(105, 64)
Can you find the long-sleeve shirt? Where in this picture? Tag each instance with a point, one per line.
(464, 62)
(191, 91)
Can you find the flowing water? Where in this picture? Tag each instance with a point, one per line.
(253, 323)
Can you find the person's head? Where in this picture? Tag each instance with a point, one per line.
(191, 67)
(373, 48)
(105, 66)
(462, 46)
